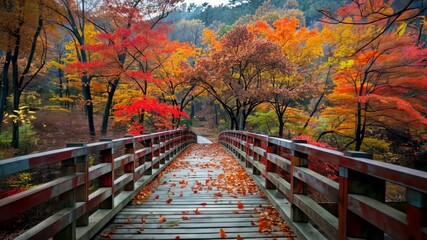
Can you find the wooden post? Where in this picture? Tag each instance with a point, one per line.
(148, 143)
(130, 167)
(298, 159)
(248, 151)
(68, 199)
(416, 214)
(270, 166)
(351, 225)
(107, 180)
(156, 152)
(167, 147)
(255, 156)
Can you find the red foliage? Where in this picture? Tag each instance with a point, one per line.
(328, 170)
(141, 106)
(7, 193)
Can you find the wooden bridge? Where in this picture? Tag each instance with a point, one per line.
(97, 183)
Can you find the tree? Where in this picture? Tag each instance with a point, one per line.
(175, 87)
(137, 12)
(235, 70)
(302, 47)
(378, 87)
(21, 40)
(72, 16)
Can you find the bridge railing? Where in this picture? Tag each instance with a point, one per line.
(350, 206)
(95, 182)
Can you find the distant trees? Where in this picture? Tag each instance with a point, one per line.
(236, 71)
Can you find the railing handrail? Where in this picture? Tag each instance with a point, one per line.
(141, 159)
(360, 188)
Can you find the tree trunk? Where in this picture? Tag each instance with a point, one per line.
(16, 96)
(108, 106)
(358, 133)
(281, 128)
(4, 90)
(88, 103)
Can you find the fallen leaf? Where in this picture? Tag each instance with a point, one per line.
(169, 200)
(239, 237)
(218, 194)
(143, 219)
(157, 197)
(162, 219)
(184, 212)
(222, 233)
(196, 211)
(128, 220)
(236, 212)
(203, 203)
(185, 218)
(240, 205)
(177, 238)
(181, 194)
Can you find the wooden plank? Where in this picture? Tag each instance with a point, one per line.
(386, 218)
(319, 182)
(281, 162)
(280, 183)
(213, 214)
(327, 222)
(22, 201)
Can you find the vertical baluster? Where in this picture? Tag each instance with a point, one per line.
(353, 182)
(148, 143)
(298, 159)
(68, 199)
(107, 180)
(130, 167)
(256, 156)
(416, 213)
(270, 167)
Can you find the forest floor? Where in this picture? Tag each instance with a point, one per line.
(54, 129)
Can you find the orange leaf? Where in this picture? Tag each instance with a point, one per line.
(185, 218)
(162, 219)
(177, 238)
(222, 233)
(128, 220)
(143, 219)
(218, 194)
(239, 237)
(236, 212)
(169, 200)
(196, 211)
(240, 205)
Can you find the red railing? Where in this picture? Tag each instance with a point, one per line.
(353, 206)
(96, 181)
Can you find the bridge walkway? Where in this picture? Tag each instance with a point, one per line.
(203, 194)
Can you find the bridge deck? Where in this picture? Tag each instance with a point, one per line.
(203, 191)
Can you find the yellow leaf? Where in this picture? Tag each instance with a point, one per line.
(401, 29)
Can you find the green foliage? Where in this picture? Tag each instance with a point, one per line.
(27, 141)
(265, 122)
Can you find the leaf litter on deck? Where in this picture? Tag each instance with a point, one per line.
(232, 181)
